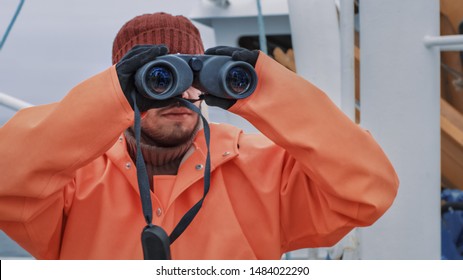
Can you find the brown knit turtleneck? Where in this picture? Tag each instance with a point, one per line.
(159, 160)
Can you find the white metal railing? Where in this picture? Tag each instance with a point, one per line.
(445, 43)
(347, 46)
(12, 102)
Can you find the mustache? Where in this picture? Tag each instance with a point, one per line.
(173, 103)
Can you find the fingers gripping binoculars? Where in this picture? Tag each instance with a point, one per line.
(170, 75)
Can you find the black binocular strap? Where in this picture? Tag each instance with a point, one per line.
(189, 216)
(143, 181)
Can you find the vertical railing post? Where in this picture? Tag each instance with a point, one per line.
(400, 91)
(347, 43)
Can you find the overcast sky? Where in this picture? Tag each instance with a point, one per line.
(56, 44)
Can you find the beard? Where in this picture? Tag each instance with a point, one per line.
(172, 136)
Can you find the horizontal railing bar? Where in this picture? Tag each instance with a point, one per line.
(12, 102)
(440, 41)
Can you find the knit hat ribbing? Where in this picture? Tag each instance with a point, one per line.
(177, 32)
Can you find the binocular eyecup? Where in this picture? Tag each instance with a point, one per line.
(170, 75)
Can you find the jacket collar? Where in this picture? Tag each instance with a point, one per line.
(223, 147)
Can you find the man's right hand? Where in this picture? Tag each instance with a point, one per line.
(128, 66)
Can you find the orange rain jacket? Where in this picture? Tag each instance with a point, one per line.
(69, 188)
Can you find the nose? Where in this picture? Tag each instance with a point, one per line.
(191, 93)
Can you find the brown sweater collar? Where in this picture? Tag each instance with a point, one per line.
(159, 160)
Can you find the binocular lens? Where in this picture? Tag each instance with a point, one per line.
(238, 79)
(159, 79)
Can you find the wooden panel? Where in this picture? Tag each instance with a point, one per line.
(451, 86)
(451, 146)
(453, 9)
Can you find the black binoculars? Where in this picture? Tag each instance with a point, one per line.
(170, 75)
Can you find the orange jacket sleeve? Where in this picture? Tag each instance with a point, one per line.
(42, 147)
(335, 177)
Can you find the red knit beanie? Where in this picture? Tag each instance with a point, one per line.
(177, 32)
